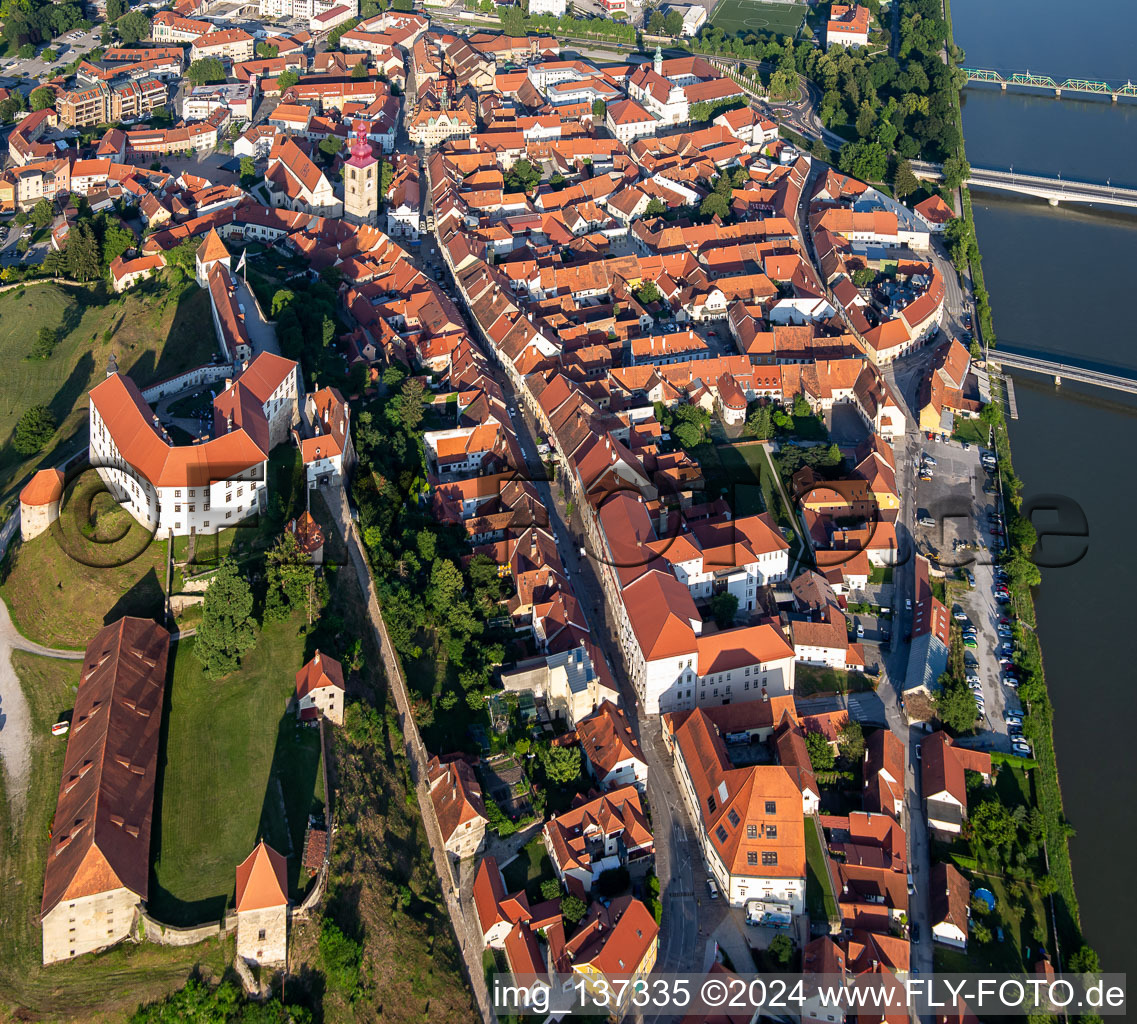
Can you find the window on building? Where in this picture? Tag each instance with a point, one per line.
(711, 805)
(721, 833)
(177, 494)
(771, 831)
(771, 807)
(261, 935)
(752, 857)
(177, 508)
(751, 831)
(769, 858)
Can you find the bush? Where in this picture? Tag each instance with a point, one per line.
(342, 956)
(34, 430)
(45, 343)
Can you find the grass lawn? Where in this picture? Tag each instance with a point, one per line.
(758, 16)
(975, 431)
(235, 768)
(741, 475)
(106, 986)
(815, 679)
(819, 899)
(881, 574)
(64, 585)
(154, 331)
(531, 867)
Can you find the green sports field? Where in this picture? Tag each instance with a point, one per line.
(758, 16)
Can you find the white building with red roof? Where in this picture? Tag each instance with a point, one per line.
(262, 907)
(601, 835)
(848, 25)
(458, 805)
(297, 184)
(611, 751)
(320, 689)
(202, 487)
(328, 453)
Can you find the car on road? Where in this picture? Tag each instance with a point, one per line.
(929, 460)
(970, 577)
(860, 630)
(926, 520)
(908, 603)
(919, 752)
(712, 889)
(914, 931)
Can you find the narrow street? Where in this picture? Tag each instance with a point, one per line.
(677, 861)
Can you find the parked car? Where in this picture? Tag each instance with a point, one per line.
(960, 615)
(970, 643)
(1010, 715)
(967, 446)
(860, 630)
(926, 520)
(712, 889)
(1014, 731)
(1021, 747)
(929, 460)
(970, 577)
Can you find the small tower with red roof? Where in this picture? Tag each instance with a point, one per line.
(361, 181)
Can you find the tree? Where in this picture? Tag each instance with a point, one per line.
(864, 276)
(1085, 961)
(550, 889)
(955, 706)
(759, 423)
(134, 26)
(115, 10)
(267, 50)
(227, 627)
(342, 957)
(992, 825)
(781, 950)
(209, 69)
(27, 51)
(248, 176)
(359, 71)
(674, 23)
(573, 909)
(43, 213)
(409, 404)
(45, 343)
(904, 182)
(724, 607)
(446, 584)
(562, 764)
(648, 292)
(599, 110)
(956, 171)
(656, 24)
(117, 240)
(42, 98)
(291, 576)
(715, 205)
(867, 161)
(287, 79)
(655, 207)
(851, 742)
(331, 145)
(820, 753)
(84, 261)
(34, 429)
(688, 435)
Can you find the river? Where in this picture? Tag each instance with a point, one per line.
(1060, 281)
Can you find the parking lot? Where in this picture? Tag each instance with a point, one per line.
(954, 526)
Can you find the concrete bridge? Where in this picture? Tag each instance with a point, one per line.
(1054, 190)
(1078, 86)
(1063, 371)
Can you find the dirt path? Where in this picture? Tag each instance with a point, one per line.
(15, 716)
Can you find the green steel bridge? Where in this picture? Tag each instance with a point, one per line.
(1088, 86)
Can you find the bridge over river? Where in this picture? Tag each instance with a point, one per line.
(1069, 86)
(1054, 190)
(1114, 380)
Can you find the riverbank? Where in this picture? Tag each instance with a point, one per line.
(1039, 725)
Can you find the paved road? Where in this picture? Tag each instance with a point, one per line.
(15, 717)
(678, 863)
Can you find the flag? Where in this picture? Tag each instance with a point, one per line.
(241, 261)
